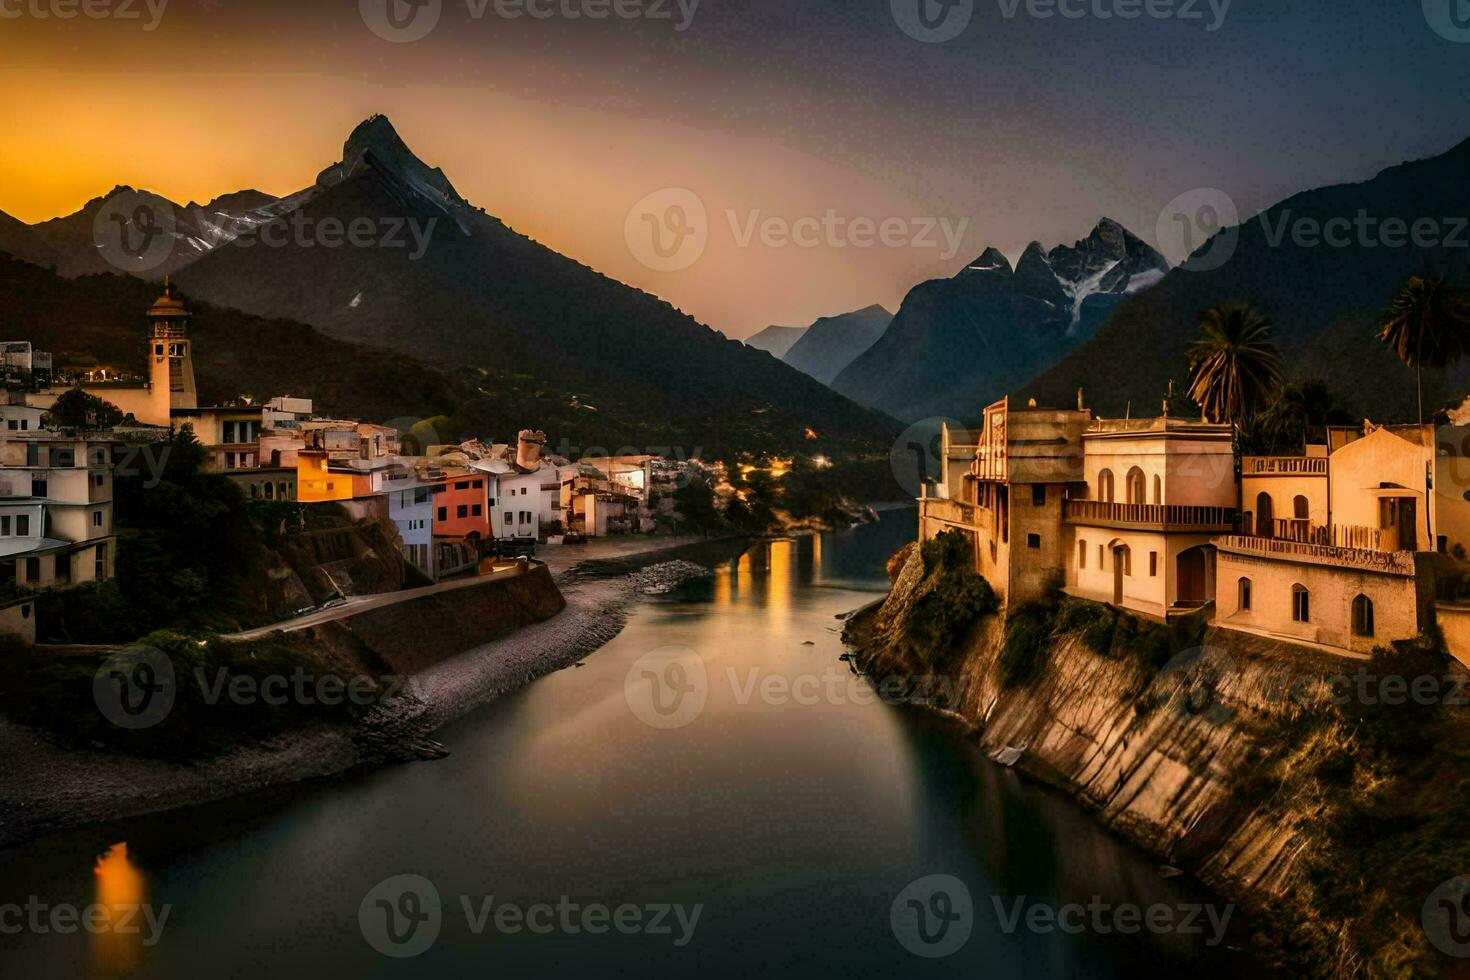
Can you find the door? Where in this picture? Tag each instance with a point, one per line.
(1398, 518)
(1120, 564)
(1265, 517)
(1193, 576)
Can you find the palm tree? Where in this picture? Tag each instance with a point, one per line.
(1235, 369)
(1427, 325)
(1300, 414)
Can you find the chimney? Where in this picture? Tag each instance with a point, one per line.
(528, 449)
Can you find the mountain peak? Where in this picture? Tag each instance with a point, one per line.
(375, 144)
(991, 260)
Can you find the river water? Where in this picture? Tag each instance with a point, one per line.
(594, 816)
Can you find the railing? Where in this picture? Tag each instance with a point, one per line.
(952, 511)
(1302, 531)
(990, 464)
(1388, 562)
(1152, 517)
(1284, 465)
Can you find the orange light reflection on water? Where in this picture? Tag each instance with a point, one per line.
(120, 890)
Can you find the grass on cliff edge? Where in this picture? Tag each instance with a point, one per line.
(951, 599)
(1032, 628)
(220, 698)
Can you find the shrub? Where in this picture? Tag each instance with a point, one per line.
(1029, 631)
(952, 598)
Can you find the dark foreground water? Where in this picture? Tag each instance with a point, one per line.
(708, 796)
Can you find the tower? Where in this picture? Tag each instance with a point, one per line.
(171, 362)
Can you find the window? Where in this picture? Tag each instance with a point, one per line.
(63, 457)
(1100, 563)
(33, 570)
(443, 514)
(23, 526)
(33, 454)
(39, 487)
(1300, 508)
(476, 510)
(1153, 564)
(492, 503)
(254, 492)
(1158, 489)
(1105, 486)
(13, 425)
(1038, 495)
(1243, 603)
(100, 571)
(1033, 541)
(1362, 616)
(97, 480)
(1081, 554)
(462, 511)
(421, 496)
(1301, 604)
(4, 527)
(1137, 488)
(462, 485)
(509, 518)
(270, 491)
(97, 516)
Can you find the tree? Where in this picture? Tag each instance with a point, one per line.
(76, 409)
(695, 501)
(1301, 414)
(1234, 366)
(1427, 325)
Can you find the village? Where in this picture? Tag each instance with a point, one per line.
(1348, 546)
(459, 509)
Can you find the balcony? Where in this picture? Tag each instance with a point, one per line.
(1284, 466)
(1362, 559)
(950, 511)
(1150, 517)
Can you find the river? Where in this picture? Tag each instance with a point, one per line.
(779, 819)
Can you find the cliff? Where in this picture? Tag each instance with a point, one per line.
(1328, 814)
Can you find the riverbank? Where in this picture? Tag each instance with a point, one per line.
(51, 784)
(1328, 818)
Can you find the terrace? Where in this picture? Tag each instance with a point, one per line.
(1150, 517)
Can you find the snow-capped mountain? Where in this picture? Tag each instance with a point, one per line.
(957, 344)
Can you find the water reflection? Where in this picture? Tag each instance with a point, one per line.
(120, 889)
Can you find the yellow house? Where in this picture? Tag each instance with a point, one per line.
(1156, 493)
(1345, 577)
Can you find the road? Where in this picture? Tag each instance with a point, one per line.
(558, 559)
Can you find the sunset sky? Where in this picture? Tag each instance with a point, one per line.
(1020, 128)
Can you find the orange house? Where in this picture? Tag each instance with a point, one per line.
(315, 483)
(462, 506)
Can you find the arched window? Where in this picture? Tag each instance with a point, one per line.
(270, 491)
(1265, 516)
(1158, 489)
(1245, 595)
(1105, 486)
(1137, 487)
(1301, 604)
(254, 492)
(1301, 509)
(1362, 616)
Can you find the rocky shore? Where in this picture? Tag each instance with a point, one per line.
(48, 786)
